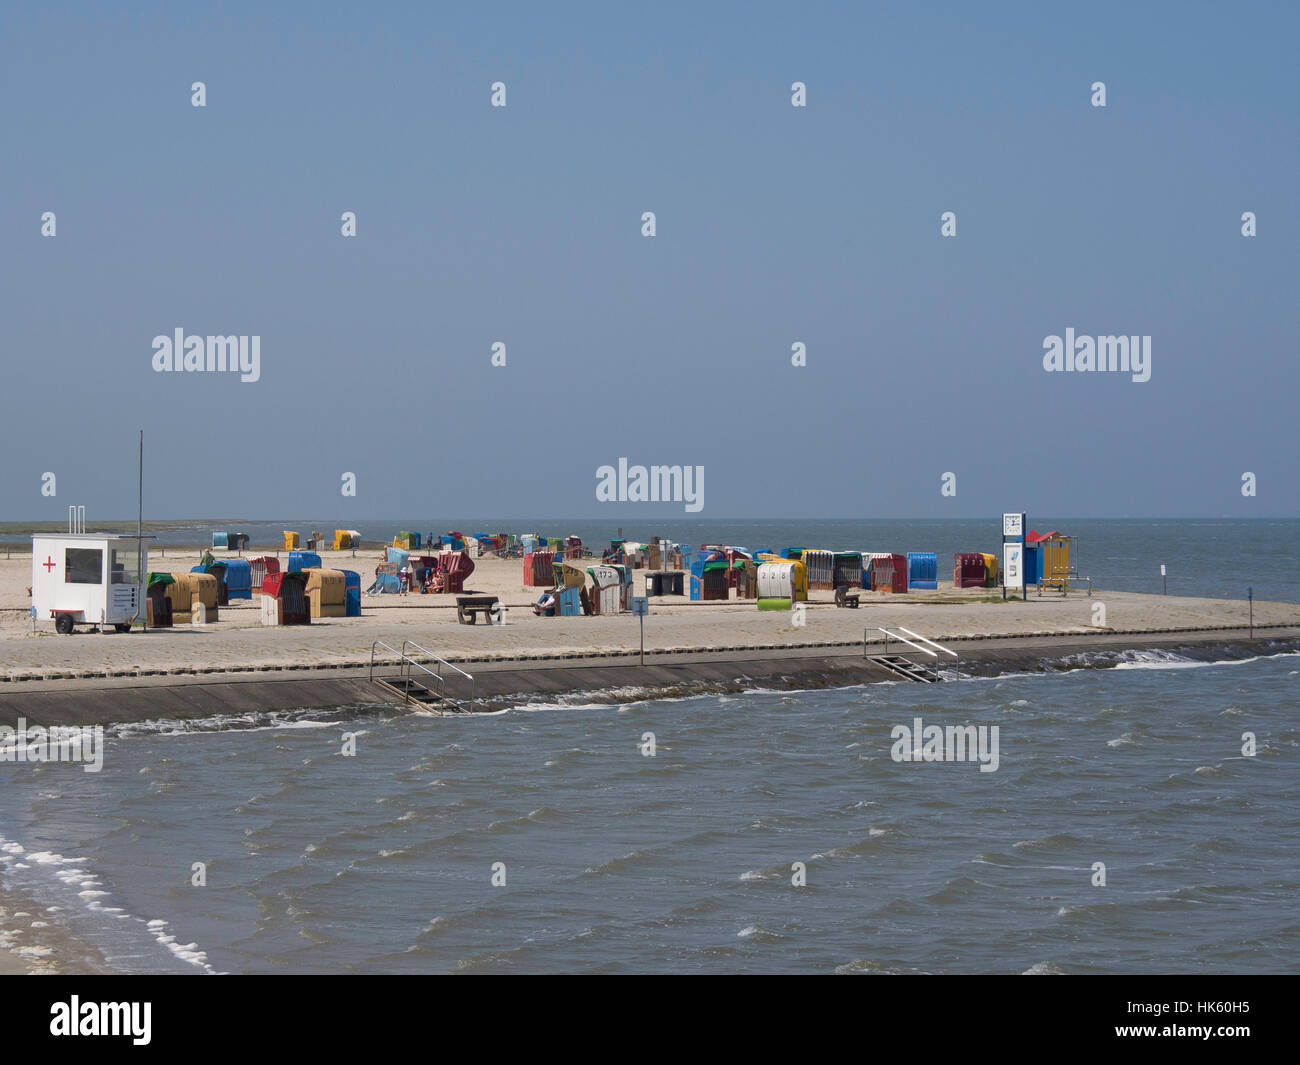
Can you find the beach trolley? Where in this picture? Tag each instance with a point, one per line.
(968, 570)
(157, 607)
(352, 593)
(284, 599)
(539, 568)
(922, 569)
(781, 585)
(259, 567)
(84, 579)
(301, 560)
(821, 568)
(291, 540)
(607, 589)
(327, 595)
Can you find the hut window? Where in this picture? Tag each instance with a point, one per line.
(83, 565)
(123, 566)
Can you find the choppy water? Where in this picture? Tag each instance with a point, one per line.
(682, 862)
(1203, 557)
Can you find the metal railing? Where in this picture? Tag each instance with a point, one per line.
(408, 663)
(473, 687)
(938, 647)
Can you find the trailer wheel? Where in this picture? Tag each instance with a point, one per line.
(122, 626)
(63, 624)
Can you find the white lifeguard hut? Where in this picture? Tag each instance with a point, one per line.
(81, 578)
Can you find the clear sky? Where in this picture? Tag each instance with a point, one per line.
(775, 225)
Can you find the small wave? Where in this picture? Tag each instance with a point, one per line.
(759, 934)
(249, 722)
(617, 865)
(863, 965)
(1059, 842)
(1044, 968)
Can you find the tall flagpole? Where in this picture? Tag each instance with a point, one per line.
(139, 536)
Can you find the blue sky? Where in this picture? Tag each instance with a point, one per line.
(775, 225)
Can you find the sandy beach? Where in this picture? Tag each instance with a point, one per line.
(238, 640)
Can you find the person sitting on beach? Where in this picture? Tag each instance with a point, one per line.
(545, 605)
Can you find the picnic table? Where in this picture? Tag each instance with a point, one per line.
(468, 607)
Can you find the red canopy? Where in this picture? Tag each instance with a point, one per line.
(1034, 537)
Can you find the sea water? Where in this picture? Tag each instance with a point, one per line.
(1142, 818)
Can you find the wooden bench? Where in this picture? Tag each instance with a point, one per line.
(468, 607)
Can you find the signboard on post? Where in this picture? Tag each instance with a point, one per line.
(1013, 536)
(641, 608)
(1013, 565)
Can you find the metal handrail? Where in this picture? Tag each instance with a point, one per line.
(473, 684)
(406, 662)
(927, 640)
(933, 643)
(904, 639)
